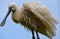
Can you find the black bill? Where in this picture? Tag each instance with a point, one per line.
(4, 20)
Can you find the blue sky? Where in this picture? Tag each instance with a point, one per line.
(12, 30)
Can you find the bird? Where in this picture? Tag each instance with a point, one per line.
(35, 16)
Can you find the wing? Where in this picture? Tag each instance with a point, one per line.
(41, 12)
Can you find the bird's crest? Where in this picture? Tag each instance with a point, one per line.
(12, 4)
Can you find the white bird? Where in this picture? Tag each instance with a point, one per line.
(34, 16)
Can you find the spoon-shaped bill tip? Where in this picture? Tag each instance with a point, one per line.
(1, 24)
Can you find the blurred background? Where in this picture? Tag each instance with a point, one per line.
(12, 30)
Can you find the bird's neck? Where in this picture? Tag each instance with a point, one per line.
(17, 15)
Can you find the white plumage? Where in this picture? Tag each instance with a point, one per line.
(34, 16)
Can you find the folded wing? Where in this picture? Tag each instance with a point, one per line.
(45, 18)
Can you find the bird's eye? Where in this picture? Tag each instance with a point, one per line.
(12, 8)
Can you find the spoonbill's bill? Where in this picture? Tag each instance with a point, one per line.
(34, 16)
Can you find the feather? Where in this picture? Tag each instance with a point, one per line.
(43, 15)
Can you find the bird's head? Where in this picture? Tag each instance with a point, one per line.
(12, 7)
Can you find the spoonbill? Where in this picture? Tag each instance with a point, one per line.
(34, 16)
